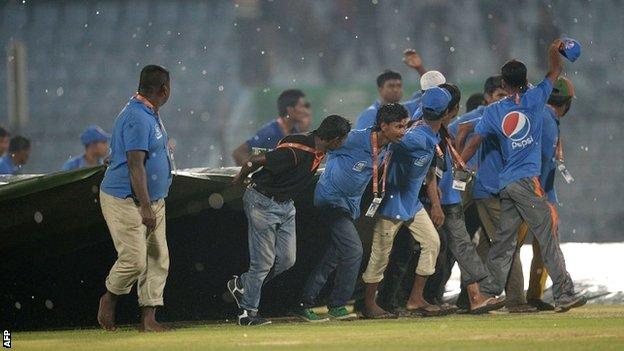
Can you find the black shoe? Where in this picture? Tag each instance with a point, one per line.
(541, 305)
(235, 287)
(251, 318)
(577, 301)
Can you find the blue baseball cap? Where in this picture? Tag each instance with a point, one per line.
(94, 134)
(436, 99)
(570, 49)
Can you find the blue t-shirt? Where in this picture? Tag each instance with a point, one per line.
(450, 196)
(77, 162)
(138, 128)
(268, 136)
(348, 171)
(7, 166)
(368, 117)
(410, 162)
(516, 121)
(550, 136)
(453, 128)
(488, 162)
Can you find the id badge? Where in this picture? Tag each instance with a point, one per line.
(565, 173)
(372, 209)
(460, 179)
(438, 172)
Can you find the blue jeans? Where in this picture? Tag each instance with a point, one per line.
(272, 243)
(344, 255)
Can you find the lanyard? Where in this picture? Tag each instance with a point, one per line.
(318, 156)
(439, 152)
(559, 150)
(455, 155)
(386, 161)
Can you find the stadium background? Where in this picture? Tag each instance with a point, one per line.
(230, 59)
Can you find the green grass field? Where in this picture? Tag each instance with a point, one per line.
(587, 328)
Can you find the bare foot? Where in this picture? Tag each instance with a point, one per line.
(106, 311)
(153, 326)
(373, 311)
(148, 321)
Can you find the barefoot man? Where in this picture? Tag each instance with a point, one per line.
(132, 197)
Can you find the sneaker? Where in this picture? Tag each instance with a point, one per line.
(577, 301)
(310, 316)
(236, 289)
(541, 305)
(341, 313)
(251, 318)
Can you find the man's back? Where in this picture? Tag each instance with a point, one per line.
(517, 123)
(138, 128)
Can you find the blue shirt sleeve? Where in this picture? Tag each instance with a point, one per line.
(414, 141)
(485, 126)
(537, 97)
(136, 134)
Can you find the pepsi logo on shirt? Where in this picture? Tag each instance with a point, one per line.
(516, 127)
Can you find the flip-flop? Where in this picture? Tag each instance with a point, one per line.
(490, 304)
(448, 309)
(424, 312)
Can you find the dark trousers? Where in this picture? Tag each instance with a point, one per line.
(343, 255)
(524, 200)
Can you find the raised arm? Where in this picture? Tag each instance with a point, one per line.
(555, 61)
(413, 60)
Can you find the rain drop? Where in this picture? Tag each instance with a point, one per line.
(38, 217)
(199, 266)
(215, 201)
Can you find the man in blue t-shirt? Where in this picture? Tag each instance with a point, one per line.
(132, 197)
(16, 158)
(409, 166)
(95, 141)
(516, 122)
(390, 89)
(482, 193)
(338, 194)
(294, 116)
(552, 154)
